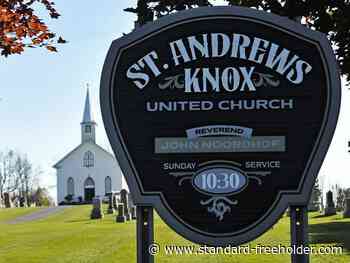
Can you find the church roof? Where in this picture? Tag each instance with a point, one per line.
(88, 114)
(88, 117)
(77, 148)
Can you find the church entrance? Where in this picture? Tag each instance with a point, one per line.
(89, 189)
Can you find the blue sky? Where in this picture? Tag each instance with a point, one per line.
(42, 94)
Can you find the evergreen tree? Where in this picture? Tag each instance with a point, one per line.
(340, 200)
(316, 191)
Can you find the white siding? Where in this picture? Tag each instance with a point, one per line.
(72, 166)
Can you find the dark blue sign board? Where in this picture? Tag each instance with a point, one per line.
(220, 118)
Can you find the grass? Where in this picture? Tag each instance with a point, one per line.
(70, 237)
(9, 214)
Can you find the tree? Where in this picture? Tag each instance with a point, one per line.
(328, 16)
(340, 200)
(347, 193)
(23, 170)
(8, 181)
(21, 27)
(315, 199)
(316, 191)
(17, 175)
(41, 197)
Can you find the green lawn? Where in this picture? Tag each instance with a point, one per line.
(9, 214)
(70, 236)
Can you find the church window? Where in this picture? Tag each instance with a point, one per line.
(88, 128)
(70, 186)
(88, 159)
(108, 185)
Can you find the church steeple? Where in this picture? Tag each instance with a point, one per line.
(88, 125)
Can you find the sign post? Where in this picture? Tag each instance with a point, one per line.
(299, 232)
(145, 234)
(220, 118)
(144, 214)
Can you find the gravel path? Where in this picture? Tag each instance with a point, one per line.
(42, 213)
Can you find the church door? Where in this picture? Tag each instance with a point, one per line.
(89, 189)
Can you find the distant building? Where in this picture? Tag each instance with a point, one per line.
(88, 170)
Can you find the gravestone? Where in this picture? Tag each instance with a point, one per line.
(133, 213)
(96, 212)
(110, 204)
(115, 201)
(330, 207)
(120, 217)
(314, 203)
(346, 213)
(124, 199)
(7, 200)
(321, 205)
(22, 202)
(130, 201)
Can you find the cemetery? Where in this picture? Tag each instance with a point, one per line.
(71, 236)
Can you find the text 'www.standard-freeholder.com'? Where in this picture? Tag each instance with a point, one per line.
(258, 249)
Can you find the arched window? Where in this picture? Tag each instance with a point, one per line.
(108, 185)
(88, 159)
(70, 186)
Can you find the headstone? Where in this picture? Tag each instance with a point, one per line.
(120, 217)
(131, 202)
(347, 208)
(96, 212)
(7, 200)
(321, 205)
(124, 199)
(110, 204)
(22, 202)
(314, 203)
(115, 201)
(133, 213)
(330, 207)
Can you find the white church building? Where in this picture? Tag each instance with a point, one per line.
(88, 170)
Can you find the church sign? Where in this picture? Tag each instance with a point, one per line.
(220, 118)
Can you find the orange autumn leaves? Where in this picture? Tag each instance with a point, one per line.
(20, 28)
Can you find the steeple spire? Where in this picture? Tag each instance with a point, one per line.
(88, 125)
(88, 115)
